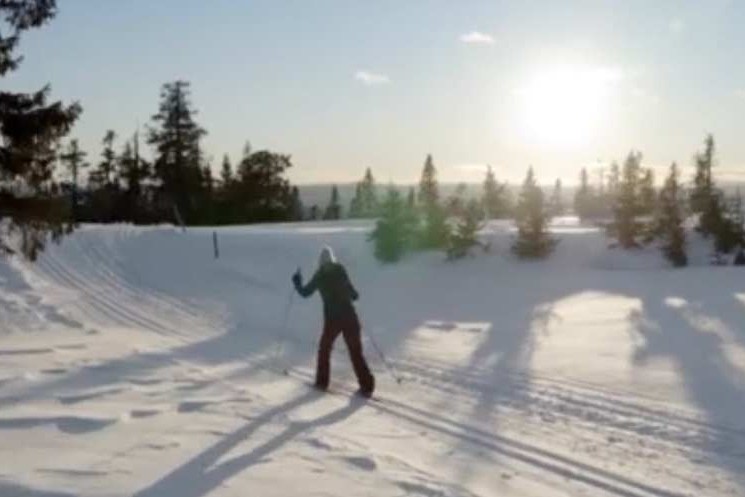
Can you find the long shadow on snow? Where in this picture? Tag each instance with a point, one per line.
(672, 328)
(199, 476)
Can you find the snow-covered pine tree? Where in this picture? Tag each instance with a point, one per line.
(670, 220)
(533, 239)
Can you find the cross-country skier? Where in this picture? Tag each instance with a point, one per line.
(339, 316)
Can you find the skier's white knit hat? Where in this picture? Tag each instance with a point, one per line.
(326, 256)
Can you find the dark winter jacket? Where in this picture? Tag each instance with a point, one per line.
(336, 290)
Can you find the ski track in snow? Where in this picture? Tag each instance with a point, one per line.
(183, 425)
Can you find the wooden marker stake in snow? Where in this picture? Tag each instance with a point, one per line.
(214, 244)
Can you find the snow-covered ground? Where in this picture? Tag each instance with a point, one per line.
(134, 363)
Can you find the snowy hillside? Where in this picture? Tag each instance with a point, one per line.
(134, 363)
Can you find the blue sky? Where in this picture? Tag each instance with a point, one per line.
(342, 85)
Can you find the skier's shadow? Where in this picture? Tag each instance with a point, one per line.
(199, 476)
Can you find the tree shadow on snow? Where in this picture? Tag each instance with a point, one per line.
(200, 475)
(677, 326)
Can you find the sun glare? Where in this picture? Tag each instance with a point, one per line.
(564, 106)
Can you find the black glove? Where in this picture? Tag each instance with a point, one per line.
(297, 279)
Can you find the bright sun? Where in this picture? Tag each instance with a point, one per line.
(563, 106)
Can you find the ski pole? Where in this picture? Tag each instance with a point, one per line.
(387, 365)
(283, 331)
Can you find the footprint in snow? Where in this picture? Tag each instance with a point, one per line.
(162, 445)
(412, 488)
(318, 444)
(143, 413)
(364, 463)
(193, 405)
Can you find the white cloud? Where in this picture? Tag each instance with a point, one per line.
(677, 25)
(740, 93)
(370, 78)
(477, 38)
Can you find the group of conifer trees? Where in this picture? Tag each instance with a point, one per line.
(177, 184)
(641, 214)
(425, 220)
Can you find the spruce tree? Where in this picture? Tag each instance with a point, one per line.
(365, 201)
(670, 220)
(738, 217)
(495, 196)
(107, 166)
(411, 199)
(557, 200)
(533, 239)
(394, 229)
(297, 211)
(435, 231)
(456, 203)
(614, 181)
(368, 195)
(226, 172)
(176, 136)
(103, 185)
(464, 235)
(262, 193)
(703, 184)
(73, 158)
(313, 215)
(429, 193)
(133, 172)
(726, 223)
(30, 130)
(583, 197)
(627, 205)
(355, 205)
(333, 210)
(647, 193)
(739, 222)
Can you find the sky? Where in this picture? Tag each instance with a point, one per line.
(342, 85)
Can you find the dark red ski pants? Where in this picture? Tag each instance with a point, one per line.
(349, 327)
